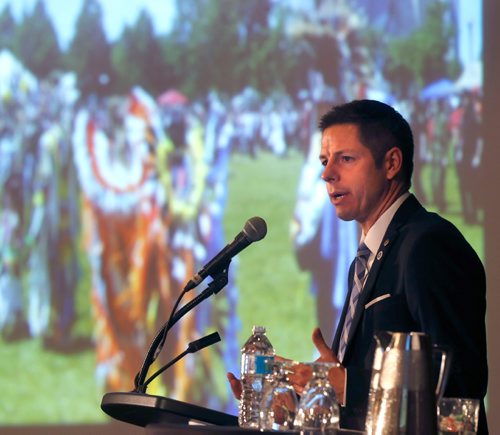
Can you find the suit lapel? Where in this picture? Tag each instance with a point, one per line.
(406, 209)
(365, 294)
(338, 332)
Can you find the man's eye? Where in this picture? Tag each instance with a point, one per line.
(324, 162)
(347, 158)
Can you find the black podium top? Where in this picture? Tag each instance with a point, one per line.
(163, 416)
(145, 409)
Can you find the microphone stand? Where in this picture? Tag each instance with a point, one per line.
(219, 281)
(137, 407)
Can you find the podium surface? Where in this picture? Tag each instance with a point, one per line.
(163, 416)
(145, 409)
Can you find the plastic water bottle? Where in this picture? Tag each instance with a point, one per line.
(257, 356)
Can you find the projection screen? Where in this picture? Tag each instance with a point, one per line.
(138, 137)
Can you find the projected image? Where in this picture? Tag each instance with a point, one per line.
(137, 140)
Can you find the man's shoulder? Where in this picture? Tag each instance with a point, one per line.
(414, 217)
(432, 223)
(433, 236)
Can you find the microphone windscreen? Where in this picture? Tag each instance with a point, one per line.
(255, 229)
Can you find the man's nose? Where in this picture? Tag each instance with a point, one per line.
(329, 173)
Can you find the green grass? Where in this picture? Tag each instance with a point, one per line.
(42, 387)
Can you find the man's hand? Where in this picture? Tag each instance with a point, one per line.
(235, 384)
(326, 354)
(302, 373)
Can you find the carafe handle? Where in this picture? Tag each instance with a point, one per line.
(444, 368)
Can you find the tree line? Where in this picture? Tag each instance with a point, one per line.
(225, 45)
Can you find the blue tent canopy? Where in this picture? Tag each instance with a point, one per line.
(439, 89)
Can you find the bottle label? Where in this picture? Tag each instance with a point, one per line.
(263, 364)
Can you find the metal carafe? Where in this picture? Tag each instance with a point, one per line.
(402, 398)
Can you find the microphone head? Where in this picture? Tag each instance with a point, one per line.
(255, 229)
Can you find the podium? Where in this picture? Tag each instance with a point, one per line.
(163, 416)
(146, 409)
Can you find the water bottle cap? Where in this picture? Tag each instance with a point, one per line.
(258, 330)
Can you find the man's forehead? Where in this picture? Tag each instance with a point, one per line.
(345, 134)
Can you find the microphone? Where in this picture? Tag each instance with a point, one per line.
(193, 347)
(255, 229)
(206, 341)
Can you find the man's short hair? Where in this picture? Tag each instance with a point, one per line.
(380, 128)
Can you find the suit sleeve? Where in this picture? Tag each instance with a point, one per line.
(358, 382)
(446, 292)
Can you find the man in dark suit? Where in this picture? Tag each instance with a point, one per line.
(422, 275)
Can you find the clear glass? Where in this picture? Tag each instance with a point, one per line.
(318, 407)
(458, 416)
(279, 402)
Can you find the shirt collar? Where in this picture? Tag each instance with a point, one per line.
(376, 233)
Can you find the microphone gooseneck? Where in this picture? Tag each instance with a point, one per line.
(193, 347)
(254, 229)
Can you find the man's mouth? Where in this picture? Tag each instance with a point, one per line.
(337, 196)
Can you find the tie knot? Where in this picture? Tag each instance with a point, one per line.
(363, 251)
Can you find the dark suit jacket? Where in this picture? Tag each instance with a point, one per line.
(437, 285)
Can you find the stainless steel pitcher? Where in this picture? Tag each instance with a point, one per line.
(402, 397)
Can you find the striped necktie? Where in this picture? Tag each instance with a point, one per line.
(360, 273)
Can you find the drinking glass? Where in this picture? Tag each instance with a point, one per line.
(279, 402)
(458, 415)
(318, 407)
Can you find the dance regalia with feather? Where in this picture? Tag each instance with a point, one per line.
(126, 233)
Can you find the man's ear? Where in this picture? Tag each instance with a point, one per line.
(393, 162)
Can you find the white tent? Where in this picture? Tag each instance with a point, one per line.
(471, 77)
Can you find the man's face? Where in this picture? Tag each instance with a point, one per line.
(356, 187)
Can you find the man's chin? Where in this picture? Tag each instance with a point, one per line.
(344, 215)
